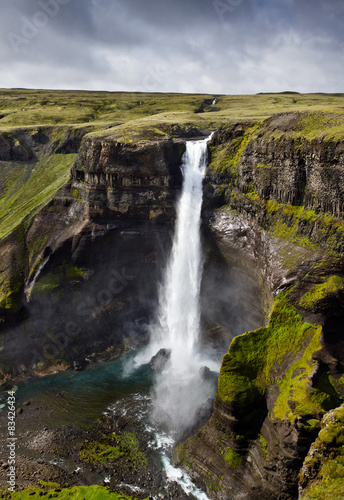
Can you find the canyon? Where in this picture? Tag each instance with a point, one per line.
(87, 258)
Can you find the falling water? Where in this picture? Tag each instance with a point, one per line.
(180, 391)
(179, 314)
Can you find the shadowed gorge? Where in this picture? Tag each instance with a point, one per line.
(88, 211)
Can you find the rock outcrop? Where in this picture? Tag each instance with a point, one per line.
(129, 181)
(322, 472)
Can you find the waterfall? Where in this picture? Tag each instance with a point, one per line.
(179, 315)
(180, 391)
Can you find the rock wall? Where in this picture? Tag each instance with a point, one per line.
(129, 181)
(114, 214)
(295, 171)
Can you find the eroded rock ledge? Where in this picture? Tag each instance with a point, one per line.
(129, 181)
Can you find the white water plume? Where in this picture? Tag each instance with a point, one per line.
(180, 389)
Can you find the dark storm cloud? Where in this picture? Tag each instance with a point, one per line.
(215, 46)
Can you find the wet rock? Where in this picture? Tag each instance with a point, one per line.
(159, 361)
(205, 373)
(77, 366)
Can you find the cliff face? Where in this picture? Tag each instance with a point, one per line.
(129, 181)
(294, 170)
(284, 212)
(90, 259)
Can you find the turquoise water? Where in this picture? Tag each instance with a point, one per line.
(81, 397)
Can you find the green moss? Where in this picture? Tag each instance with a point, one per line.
(9, 291)
(253, 195)
(28, 189)
(122, 450)
(71, 271)
(304, 227)
(36, 245)
(52, 490)
(47, 283)
(320, 294)
(293, 386)
(76, 195)
(332, 490)
(182, 451)
(333, 432)
(62, 275)
(326, 465)
(232, 457)
(212, 482)
(281, 354)
(35, 267)
(263, 446)
(283, 221)
(226, 157)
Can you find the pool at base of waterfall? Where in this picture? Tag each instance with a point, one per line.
(60, 416)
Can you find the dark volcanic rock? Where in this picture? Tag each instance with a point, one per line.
(160, 360)
(124, 181)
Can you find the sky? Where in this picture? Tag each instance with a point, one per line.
(197, 46)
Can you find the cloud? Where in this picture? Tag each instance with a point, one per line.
(213, 46)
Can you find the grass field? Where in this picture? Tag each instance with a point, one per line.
(122, 111)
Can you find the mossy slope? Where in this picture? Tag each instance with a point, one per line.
(120, 450)
(51, 490)
(280, 354)
(322, 475)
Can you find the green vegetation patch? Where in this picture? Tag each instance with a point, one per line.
(332, 433)
(310, 231)
(122, 450)
(325, 462)
(9, 289)
(52, 490)
(226, 157)
(263, 446)
(63, 275)
(295, 398)
(232, 457)
(304, 227)
(321, 124)
(31, 186)
(320, 295)
(322, 112)
(281, 354)
(13, 270)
